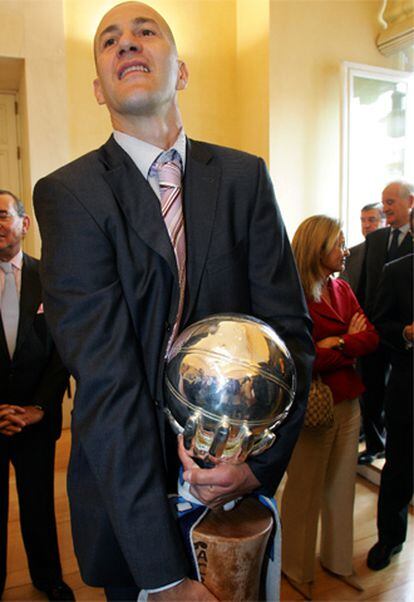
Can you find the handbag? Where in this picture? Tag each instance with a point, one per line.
(319, 411)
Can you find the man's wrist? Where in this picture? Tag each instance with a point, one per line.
(39, 406)
(164, 587)
(144, 593)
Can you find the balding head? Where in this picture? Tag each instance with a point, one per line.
(397, 199)
(139, 72)
(142, 11)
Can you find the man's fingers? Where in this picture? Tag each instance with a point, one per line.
(10, 421)
(214, 477)
(10, 430)
(15, 420)
(186, 460)
(6, 407)
(211, 495)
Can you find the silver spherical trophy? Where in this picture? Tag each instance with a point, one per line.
(230, 381)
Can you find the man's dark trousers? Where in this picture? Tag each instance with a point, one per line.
(31, 453)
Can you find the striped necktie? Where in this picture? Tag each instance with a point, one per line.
(169, 170)
(9, 307)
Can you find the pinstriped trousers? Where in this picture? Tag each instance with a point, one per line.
(321, 482)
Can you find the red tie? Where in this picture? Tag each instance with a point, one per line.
(170, 181)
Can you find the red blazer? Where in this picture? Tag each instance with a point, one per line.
(337, 368)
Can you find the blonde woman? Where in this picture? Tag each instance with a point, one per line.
(321, 473)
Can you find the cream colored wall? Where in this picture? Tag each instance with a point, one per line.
(308, 41)
(205, 31)
(33, 31)
(252, 81)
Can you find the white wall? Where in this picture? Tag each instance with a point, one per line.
(32, 30)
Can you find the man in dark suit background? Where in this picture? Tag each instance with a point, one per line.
(32, 384)
(371, 218)
(381, 246)
(393, 316)
(116, 291)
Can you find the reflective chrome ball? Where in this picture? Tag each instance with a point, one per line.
(229, 381)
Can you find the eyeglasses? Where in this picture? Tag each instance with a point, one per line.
(6, 216)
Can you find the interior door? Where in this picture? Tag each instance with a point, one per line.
(9, 162)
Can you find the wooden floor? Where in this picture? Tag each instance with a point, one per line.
(393, 584)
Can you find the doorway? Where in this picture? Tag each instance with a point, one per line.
(9, 144)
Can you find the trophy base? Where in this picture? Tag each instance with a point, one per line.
(230, 548)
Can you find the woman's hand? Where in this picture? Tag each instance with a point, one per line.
(357, 324)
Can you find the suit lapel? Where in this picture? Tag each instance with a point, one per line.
(359, 260)
(324, 309)
(138, 202)
(201, 185)
(406, 246)
(383, 246)
(333, 310)
(142, 209)
(4, 352)
(30, 298)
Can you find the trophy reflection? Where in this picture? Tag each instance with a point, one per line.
(229, 381)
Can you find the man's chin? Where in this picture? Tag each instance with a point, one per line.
(142, 104)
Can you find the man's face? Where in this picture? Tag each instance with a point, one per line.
(371, 220)
(396, 209)
(12, 228)
(138, 69)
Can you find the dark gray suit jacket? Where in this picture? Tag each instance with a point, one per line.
(111, 298)
(353, 268)
(35, 373)
(394, 306)
(393, 311)
(376, 248)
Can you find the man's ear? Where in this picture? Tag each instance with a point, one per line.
(97, 88)
(182, 79)
(26, 224)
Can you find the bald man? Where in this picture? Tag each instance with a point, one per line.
(124, 271)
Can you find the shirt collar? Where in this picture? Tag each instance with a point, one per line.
(17, 260)
(144, 154)
(403, 229)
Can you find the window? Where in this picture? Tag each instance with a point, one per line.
(378, 137)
